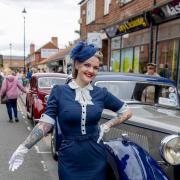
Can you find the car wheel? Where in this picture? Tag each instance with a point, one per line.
(53, 145)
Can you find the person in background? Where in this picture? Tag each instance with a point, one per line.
(151, 69)
(1, 78)
(82, 154)
(10, 86)
(165, 71)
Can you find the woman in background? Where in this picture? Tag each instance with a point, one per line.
(11, 87)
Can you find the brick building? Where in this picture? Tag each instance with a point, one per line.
(134, 32)
(13, 62)
(36, 56)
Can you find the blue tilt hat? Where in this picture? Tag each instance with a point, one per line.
(83, 51)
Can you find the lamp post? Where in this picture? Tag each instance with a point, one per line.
(24, 13)
(10, 48)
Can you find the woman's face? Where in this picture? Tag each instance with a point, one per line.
(88, 69)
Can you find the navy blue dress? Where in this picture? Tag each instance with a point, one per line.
(80, 156)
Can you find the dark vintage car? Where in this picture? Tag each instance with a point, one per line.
(149, 140)
(39, 90)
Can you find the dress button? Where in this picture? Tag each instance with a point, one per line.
(83, 119)
(83, 112)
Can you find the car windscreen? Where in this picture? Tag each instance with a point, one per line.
(142, 92)
(49, 82)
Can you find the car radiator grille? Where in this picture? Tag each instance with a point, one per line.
(137, 138)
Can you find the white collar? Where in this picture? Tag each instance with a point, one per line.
(82, 94)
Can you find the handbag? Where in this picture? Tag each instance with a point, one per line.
(4, 97)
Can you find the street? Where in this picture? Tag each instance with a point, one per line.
(38, 163)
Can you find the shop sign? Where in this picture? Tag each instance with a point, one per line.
(131, 25)
(95, 39)
(48, 52)
(137, 23)
(166, 12)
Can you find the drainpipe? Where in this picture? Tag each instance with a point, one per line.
(151, 38)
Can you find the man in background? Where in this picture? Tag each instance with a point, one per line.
(151, 69)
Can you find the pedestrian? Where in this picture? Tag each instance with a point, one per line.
(10, 86)
(165, 71)
(78, 106)
(151, 69)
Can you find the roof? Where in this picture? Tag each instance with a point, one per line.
(58, 56)
(48, 45)
(133, 77)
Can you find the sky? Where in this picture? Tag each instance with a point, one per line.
(43, 20)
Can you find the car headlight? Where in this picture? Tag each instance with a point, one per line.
(170, 149)
(46, 98)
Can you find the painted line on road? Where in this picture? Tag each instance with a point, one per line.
(29, 128)
(24, 117)
(44, 166)
(26, 122)
(41, 152)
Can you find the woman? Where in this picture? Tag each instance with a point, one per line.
(11, 87)
(78, 105)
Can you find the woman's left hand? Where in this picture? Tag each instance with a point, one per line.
(103, 129)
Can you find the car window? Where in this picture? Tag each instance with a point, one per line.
(49, 82)
(142, 92)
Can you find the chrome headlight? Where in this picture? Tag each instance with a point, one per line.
(170, 149)
(46, 98)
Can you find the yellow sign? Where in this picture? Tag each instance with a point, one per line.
(140, 21)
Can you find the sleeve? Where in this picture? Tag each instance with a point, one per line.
(21, 87)
(52, 107)
(111, 102)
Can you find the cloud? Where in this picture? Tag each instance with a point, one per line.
(44, 19)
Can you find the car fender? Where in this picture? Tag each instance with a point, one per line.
(129, 161)
(38, 108)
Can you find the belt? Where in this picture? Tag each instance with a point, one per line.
(81, 137)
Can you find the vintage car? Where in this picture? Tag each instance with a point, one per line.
(40, 86)
(148, 144)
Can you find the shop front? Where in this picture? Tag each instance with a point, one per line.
(129, 45)
(153, 36)
(167, 20)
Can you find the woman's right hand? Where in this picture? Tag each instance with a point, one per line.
(17, 157)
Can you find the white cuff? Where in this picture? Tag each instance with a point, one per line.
(47, 119)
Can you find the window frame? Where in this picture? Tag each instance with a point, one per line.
(90, 11)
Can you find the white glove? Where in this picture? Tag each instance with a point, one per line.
(17, 158)
(103, 129)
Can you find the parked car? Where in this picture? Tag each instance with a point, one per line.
(39, 90)
(133, 147)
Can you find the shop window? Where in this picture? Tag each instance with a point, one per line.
(115, 61)
(169, 30)
(167, 55)
(126, 60)
(115, 43)
(90, 11)
(141, 57)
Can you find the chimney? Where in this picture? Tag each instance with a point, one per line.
(32, 48)
(55, 41)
